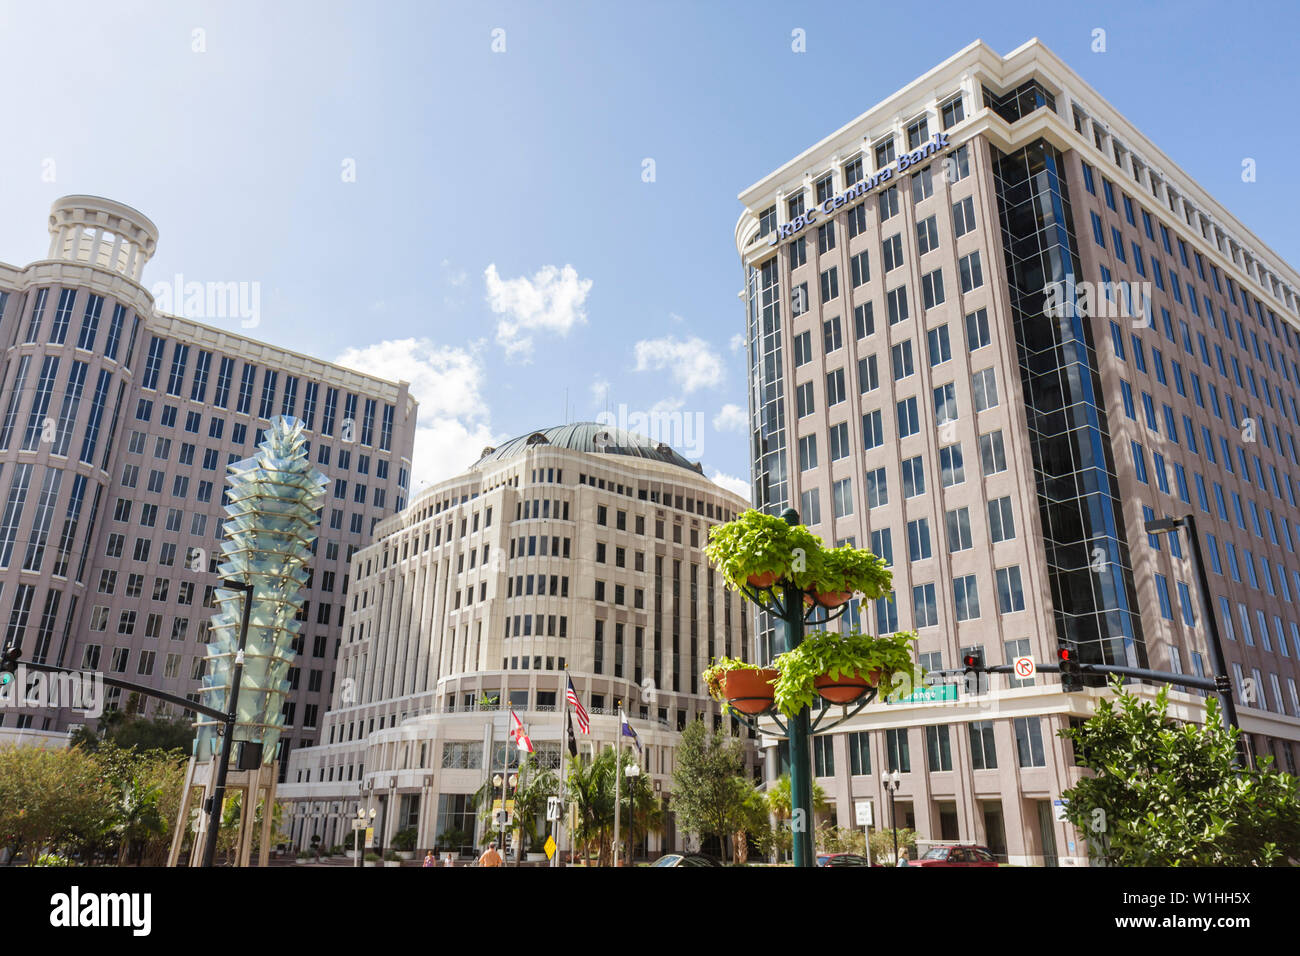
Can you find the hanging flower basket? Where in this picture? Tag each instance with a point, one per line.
(846, 688)
(749, 692)
(740, 686)
(757, 550)
(840, 668)
(827, 599)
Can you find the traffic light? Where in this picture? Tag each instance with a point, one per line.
(9, 663)
(972, 663)
(1069, 670)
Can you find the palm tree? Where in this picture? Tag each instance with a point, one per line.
(778, 800)
(591, 787)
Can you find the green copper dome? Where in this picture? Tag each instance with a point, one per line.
(593, 438)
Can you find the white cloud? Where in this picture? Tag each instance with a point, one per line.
(731, 418)
(733, 484)
(599, 391)
(551, 301)
(691, 362)
(737, 343)
(452, 427)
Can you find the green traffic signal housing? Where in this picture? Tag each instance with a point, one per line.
(9, 663)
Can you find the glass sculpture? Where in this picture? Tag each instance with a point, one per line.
(272, 508)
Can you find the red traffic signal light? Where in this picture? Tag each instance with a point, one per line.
(1069, 670)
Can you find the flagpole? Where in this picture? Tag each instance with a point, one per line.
(564, 696)
(618, 761)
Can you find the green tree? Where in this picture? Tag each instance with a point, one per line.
(591, 787)
(56, 799)
(709, 791)
(882, 844)
(128, 730)
(1169, 794)
(148, 795)
(756, 832)
(779, 804)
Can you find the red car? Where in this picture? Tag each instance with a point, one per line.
(955, 855)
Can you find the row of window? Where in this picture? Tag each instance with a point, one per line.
(938, 747)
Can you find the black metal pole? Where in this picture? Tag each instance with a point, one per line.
(893, 820)
(1216, 644)
(223, 765)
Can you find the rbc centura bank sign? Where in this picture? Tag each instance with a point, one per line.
(863, 186)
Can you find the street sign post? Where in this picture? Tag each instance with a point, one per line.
(552, 808)
(863, 810)
(549, 847)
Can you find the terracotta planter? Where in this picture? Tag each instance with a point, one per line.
(764, 580)
(846, 689)
(749, 692)
(828, 599)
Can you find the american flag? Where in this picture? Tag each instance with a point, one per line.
(584, 722)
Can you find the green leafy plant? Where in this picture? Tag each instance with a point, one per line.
(832, 654)
(372, 857)
(755, 543)
(845, 569)
(1165, 793)
(404, 840)
(882, 844)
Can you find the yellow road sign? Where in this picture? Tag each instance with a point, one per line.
(549, 847)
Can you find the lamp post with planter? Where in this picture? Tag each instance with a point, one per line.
(781, 566)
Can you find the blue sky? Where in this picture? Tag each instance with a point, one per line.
(498, 245)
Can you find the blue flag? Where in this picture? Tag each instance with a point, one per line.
(627, 730)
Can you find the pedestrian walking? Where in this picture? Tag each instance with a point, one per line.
(490, 856)
(429, 859)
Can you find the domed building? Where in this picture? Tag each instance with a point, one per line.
(574, 549)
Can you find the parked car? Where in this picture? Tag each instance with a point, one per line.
(841, 859)
(955, 855)
(685, 859)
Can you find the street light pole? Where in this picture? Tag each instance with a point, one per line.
(891, 782)
(1215, 641)
(223, 765)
